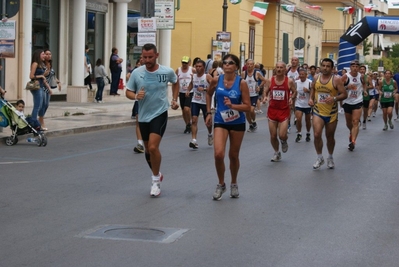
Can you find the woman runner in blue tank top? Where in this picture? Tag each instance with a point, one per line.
(232, 101)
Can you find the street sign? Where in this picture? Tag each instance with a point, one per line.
(299, 43)
(12, 8)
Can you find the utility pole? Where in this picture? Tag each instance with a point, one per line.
(225, 6)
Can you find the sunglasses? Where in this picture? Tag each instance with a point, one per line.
(229, 62)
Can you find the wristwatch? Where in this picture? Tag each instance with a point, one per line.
(335, 99)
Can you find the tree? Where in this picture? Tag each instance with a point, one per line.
(395, 50)
(366, 47)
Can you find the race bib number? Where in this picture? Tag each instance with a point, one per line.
(184, 86)
(387, 94)
(322, 98)
(278, 94)
(229, 115)
(301, 95)
(353, 94)
(197, 96)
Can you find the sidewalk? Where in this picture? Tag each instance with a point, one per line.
(68, 118)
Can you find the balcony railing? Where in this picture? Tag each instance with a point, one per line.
(332, 36)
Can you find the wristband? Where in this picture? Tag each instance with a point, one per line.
(174, 100)
(135, 97)
(208, 113)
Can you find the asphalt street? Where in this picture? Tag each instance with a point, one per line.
(54, 199)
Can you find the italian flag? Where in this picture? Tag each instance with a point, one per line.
(314, 7)
(289, 8)
(259, 10)
(348, 9)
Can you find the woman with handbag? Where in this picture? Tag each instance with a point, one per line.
(101, 80)
(52, 83)
(37, 71)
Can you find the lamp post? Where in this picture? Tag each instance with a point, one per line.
(225, 6)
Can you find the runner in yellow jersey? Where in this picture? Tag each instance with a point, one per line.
(326, 90)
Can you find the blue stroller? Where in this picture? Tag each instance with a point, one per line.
(18, 125)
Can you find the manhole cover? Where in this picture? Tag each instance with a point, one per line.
(126, 232)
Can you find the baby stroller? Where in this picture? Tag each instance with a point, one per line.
(18, 125)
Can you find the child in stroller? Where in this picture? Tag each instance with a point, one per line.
(19, 124)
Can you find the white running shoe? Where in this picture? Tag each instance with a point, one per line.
(220, 189)
(210, 140)
(156, 187)
(330, 163)
(318, 163)
(284, 146)
(276, 157)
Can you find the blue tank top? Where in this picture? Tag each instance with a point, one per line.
(225, 115)
(40, 71)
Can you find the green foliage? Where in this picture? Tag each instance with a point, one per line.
(367, 47)
(395, 50)
(388, 63)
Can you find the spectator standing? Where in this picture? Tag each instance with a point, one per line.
(88, 68)
(208, 63)
(115, 65)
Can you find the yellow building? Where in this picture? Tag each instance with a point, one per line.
(266, 41)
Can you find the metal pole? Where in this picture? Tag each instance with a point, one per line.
(4, 15)
(225, 6)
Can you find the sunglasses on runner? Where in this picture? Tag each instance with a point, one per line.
(229, 62)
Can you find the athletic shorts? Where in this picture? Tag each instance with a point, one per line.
(196, 107)
(304, 110)
(278, 115)
(157, 125)
(366, 103)
(349, 108)
(231, 127)
(376, 97)
(185, 101)
(387, 104)
(327, 119)
(135, 109)
(254, 100)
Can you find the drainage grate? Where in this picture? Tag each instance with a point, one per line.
(131, 233)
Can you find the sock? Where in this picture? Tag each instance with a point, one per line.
(147, 157)
(320, 156)
(156, 177)
(194, 140)
(330, 156)
(140, 142)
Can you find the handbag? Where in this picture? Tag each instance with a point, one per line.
(33, 85)
(107, 80)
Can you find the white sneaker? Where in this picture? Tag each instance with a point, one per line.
(260, 111)
(276, 157)
(95, 101)
(330, 163)
(156, 187)
(284, 146)
(210, 140)
(318, 163)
